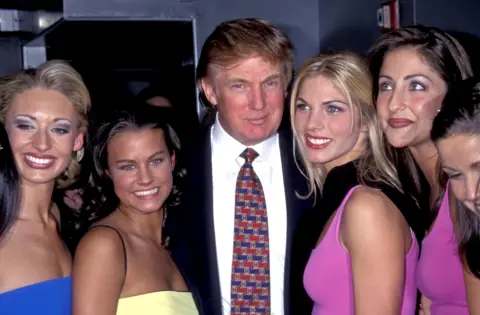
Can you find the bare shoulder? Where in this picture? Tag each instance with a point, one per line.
(369, 213)
(367, 201)
(102, 242)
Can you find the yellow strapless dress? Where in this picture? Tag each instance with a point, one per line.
(155, 303)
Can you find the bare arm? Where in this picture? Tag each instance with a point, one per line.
(373, 233)
(472, 285)
(98, 273)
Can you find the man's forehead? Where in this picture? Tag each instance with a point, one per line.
(253, 67)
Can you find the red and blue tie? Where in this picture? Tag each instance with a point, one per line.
(250, 291)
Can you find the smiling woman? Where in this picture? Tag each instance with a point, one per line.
(44, 112)
(130, 188)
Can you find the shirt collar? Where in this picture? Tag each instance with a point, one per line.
(230, 148)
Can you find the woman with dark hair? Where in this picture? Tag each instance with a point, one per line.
(121, 265)
(456, 133)
(9, 195)
(44, 113)
(413, 69)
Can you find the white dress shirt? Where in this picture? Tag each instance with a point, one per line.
(226, 164)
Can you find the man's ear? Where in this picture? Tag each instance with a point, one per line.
(209, 91)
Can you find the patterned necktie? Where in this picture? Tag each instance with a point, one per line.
(250, 291)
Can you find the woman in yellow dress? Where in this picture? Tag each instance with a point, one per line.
(121, 265)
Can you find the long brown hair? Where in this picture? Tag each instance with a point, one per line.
(460, 115)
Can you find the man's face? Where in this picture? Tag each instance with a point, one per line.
(250, 96)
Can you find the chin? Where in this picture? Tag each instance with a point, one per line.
(398, 143)
(317, 159)
(39, 179)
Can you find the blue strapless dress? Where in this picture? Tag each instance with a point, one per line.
(51, 297)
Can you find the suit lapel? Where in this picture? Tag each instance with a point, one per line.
(294, 183)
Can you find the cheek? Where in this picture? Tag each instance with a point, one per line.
(64, 144)
(425, 108)
(301, 121)
(122, 184)
(276, 99)
(382, 105)
(17, 139)
(164, 174)
(340, 126)
(458, 189)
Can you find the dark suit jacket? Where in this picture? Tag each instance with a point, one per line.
(191, 228)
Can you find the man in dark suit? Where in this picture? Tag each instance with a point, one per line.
(233, 265)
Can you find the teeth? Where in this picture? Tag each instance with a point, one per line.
(318, 141)
(37, 160)
(146, 192)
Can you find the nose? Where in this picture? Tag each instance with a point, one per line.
(315, 121)
(257, 99)
(144, 176)
(396, 101)
(41, 141)
(472, 189)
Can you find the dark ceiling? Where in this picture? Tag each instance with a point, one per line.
(32, 5)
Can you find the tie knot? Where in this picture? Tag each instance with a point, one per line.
(249, 155)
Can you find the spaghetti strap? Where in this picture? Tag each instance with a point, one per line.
(121, 238)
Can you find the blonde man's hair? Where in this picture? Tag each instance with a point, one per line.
(54, 75)
(234, 40)
(349, 74)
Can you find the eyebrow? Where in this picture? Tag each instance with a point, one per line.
(475, 164)
(272, 77)
(133, 161)
(408, 77)
(35, 119)
(269, 78)
(323, 103)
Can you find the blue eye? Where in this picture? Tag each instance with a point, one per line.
(157, 161)
(385, 86)
(417, 86)
(302, 107)
(127, 167)
(60, 131)
(237, 86)
(24, 127)
(333, 109)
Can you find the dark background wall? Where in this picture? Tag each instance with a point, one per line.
(10, 54)
(347, 24)
(298, 18)
(313, 25)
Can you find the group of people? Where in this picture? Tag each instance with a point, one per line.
(360, 196)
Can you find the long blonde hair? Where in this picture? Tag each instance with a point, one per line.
(349, 73)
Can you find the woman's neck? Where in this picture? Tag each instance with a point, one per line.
(426, 156)
(147, 225)
(35, 201)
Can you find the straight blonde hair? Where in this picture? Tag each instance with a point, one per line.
(350, 75)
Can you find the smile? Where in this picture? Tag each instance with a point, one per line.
(318, 141)
(37, 160)
(143, 193)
